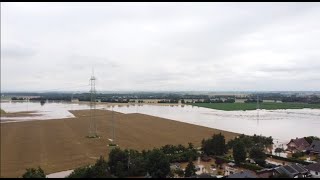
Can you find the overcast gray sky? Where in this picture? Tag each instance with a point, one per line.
(160, 46)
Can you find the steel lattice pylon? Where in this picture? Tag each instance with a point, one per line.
(92, 126)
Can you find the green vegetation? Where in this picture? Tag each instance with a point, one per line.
(190, 170)
(253, 106)
(288, 159)
(98, 170)
(251, 141)
(34, 173)
(239, 152)
(256, 153)
(298, 155)
(215, 145)
(180, 153)
(157, 164)
(279, 150)
(250, 166)
(311, 138)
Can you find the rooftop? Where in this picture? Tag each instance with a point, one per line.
(243, 174)
(315, 146)
(300, 142)
(314, 167)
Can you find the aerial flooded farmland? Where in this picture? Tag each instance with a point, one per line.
(276, 123)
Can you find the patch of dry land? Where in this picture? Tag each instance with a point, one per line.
(58, 145)
(19, 114)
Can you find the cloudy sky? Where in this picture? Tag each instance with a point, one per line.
(160, 46)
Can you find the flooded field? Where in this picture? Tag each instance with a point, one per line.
(280, 124)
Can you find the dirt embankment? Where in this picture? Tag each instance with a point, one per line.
(19, 114)
(58, 145)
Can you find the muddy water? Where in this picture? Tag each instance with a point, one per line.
(280, 124)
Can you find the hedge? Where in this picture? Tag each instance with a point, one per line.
(289, 159)
(250, 166)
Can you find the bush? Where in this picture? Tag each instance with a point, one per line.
(34, 173)
(297, 155)
(289, 159)
(250, 166)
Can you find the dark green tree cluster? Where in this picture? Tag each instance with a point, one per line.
(127, 163)
(99, 170)
(208, 100)
(251, 141)
(190, 170)
(253, 101)
(180, 153)
(169, 101)
(252, 145)
(256, 153)
(310, 139)
(216, 145)
(34, 173)
(157, 164)
(15, 98)
(239, 152)
(124, 163)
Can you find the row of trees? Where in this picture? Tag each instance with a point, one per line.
(115, 100)
(169, 101)
(17, 98)
(132, 163)
(305, 99)
(253, 101)
(215, 101)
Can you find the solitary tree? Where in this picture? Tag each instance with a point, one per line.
(239, 152)
(190, 170)
(34, 173)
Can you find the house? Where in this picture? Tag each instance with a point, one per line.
(243, 174)
(314, 148)
(293, 170)
(314, 170)
(229, 170)
(231, 164)
(297, 145)
(74, 100)
(200, 169)
(175, 166)
(265, 173)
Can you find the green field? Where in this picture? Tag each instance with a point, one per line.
(252, 106)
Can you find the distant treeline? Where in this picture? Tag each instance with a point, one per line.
(15, 98)
(169, 101)
(309, 99)
(167, 97)
(214, 101)
(253, 101)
